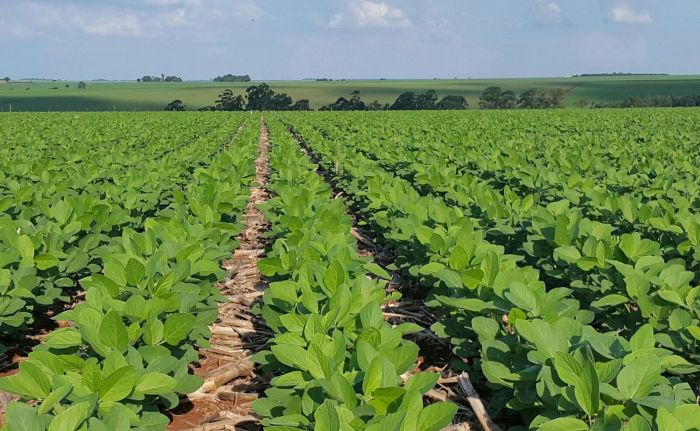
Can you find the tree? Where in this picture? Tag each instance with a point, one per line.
(495, 98)
(490, 97)
(508, 100)
(426, 101)
(259, 97)
(176, 105)
(228, 102)
(232, 78)
(375, 106)
(6, 79)
(279, 102)
(452, 102)
(341, 104)
(537, 98)
(301, 105)
(81, 85)
(406, 101)
(138, 79)
(356, 103)
(557, 98)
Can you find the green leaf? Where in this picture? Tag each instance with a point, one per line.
(270, 266)
(46, 261)
(135, 272)
(118, 385)
(377, 270)
(422, 382)
(564, 424)
(291, 355)
(373, 376)
(64, 338)
(458, 258)
(71, 418)
(643, 339)
(25, 247)
(21, 417)
(580, 373)
(177, 328)
(610, 301)
(436, 416)
(340, 389)
(115, 271)
(153, 331)
(431, 268)
(30, 382)
(639, 377)
(156, 384)
(451, 278)
(113, 332)
(54, 398)
(569, 254)
(334, 276)
(326, 417)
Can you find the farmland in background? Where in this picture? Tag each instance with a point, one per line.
(133, 96)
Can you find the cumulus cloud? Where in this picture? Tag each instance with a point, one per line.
(550, 10)
(144, 18)
(547, 12)
(370, 14)
(626, 15)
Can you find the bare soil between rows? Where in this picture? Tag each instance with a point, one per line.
(231, 384)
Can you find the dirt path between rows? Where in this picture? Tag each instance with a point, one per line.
(231, 385)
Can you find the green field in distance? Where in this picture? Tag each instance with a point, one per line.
(134, 96)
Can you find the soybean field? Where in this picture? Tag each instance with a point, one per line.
(414, 271)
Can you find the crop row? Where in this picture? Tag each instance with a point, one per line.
(150, 296)
(62, 202)
(540, 348)
(504, 180)
(338, 364)
(607, 271)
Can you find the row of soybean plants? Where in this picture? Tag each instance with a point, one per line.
(69, 185)
(543, 352)
(150, 294)
(653, 192)
(606, 269)
(338, 364)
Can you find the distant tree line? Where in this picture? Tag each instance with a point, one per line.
(232, 78)
(664, 101)
(408, 101)
(256, 98)
(534, 98)
(262, 98)
(161, 78)
(6, 79)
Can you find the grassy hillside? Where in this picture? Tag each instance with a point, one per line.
(107, 96)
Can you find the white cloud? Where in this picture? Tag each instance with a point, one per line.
(369, 14)
(119, 25)
(175, 18)
(551, 10)
(548, 12)
(626, 15)
(31, 19)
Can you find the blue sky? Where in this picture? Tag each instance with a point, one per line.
(294, 39)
